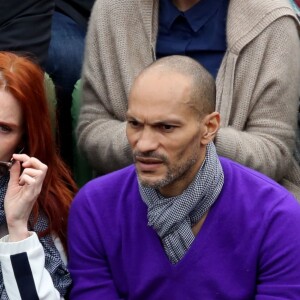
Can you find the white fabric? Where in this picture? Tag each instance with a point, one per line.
(35, 252)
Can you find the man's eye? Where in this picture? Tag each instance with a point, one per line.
(167, 127)
(134, 124)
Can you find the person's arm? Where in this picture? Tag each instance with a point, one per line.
(88, 265)
(279, 260)
(260, 130)
(22, 256)
(108, 71)
(23, 270)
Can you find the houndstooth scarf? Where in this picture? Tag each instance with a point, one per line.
(53, 263)
(173, 218)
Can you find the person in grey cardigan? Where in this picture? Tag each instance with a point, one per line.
(257, 83)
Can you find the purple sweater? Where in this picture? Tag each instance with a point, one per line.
(248, 247)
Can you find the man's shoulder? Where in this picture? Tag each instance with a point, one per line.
(109, 191)
(240, 169)
(252, 198)
(117, 179)
(257, 186)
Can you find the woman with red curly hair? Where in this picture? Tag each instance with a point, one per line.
(36, 188)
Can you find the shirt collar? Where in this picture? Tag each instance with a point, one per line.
(196, 16)
(168, 12)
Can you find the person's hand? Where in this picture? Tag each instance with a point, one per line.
(22, 192)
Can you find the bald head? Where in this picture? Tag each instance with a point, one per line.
(202, 91)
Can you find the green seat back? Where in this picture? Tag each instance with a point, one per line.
(81, 169)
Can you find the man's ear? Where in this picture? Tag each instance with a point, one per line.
(212, 124)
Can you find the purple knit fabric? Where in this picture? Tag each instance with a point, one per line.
(247, 248)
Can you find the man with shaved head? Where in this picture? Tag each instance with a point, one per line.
(182, 222)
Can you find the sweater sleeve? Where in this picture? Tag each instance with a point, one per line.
(88, 264)
(23, 270)
(279, 264)
(260, 123)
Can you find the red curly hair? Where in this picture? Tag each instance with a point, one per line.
(25, 81)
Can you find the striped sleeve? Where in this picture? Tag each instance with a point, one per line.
(23, 270)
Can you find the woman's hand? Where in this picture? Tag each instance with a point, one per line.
(22, 192)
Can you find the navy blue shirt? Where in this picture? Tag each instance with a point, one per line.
(199, 32)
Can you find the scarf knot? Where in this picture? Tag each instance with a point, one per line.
(172, 218)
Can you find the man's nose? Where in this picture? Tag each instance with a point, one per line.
(147, 141)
